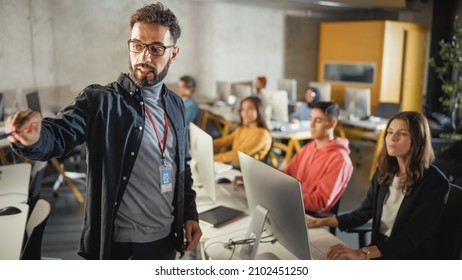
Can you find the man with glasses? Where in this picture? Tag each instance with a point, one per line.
(323, 166)
(139, 195)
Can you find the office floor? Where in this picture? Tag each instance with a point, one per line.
(62, 233)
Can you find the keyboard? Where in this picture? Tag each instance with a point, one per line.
(220, 167)
(317, 254)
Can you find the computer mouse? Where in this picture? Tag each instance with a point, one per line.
(9, 210)
(224, 181)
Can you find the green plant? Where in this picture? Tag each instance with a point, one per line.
(448, 68)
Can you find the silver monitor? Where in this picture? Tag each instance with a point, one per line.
(241, 91)
(279, 103)
(202, 154)
(223, 91)
(324, 90)
(357, 102)
(289, 85)
(277, 196)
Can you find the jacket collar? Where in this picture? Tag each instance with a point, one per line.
(128, 85)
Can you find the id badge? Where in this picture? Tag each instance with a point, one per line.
(165, 178)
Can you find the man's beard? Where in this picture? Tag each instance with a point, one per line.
(145, 81)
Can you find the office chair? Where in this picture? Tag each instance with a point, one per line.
(34, 230)
(450, 226)
(35, 186)
(387, 110)
(2, 107)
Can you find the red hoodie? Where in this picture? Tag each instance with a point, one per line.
(323, 172)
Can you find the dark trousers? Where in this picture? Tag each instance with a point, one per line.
(162, 249)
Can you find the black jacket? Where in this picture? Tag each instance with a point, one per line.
(110, 121)
(414, 232)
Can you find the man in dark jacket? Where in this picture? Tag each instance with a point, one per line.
(139, 195)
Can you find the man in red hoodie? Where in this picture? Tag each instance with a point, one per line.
(323, 166)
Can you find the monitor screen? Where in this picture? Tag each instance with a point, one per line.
(289, 85)
(223, 91)
(358, 102)
(202, 153)
(281, 196)
(33, 101)
(324, 90)
(241, 91)
(279, 103)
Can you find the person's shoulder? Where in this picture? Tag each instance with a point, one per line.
(434, 173)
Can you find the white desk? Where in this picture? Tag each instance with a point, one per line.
(373, 123)
(291, 132)
(214, 248)
(12, 229)
(14, 179)
(224, 197)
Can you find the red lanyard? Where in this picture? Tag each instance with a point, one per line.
(162, 145)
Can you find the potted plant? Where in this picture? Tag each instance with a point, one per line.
(448, 68)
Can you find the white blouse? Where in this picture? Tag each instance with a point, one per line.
(391, 206)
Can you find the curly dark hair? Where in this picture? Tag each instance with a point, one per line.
(158, 14)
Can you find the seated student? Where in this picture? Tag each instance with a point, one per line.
(303, 113)
(251, 137)
(323, 166)
(405, 200)
(260, 83)
(186, 88)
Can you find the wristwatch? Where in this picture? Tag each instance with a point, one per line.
(366, 252)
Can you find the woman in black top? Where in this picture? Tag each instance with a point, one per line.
(406, 198)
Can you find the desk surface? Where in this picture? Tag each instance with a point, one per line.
(374, 123)
(12, 229)
(290, 130)
(215, 248)
(226, 112)
(14, 179)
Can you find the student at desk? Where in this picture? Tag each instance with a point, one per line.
(303, 113)
(406, 198)
(251, 137)
(186, 88)
(323, 166)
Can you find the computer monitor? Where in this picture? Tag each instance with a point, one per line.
(289, 85)
(324, 90)
(33, 101)
(279, 103)
(357, 102)
(223, 90)
(202, 154)
(276, 196)
(241, 91)
(2, 107)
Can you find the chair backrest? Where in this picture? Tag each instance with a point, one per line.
(387, 110)
(33, 101)
(34, 230)
(450, 229)
(35, 185)
(2, 106)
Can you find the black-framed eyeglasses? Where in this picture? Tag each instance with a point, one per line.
(153, 49)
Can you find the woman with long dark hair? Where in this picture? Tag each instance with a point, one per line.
(405, 201)
(252, 137)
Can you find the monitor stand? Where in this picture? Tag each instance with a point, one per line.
(255, 231)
